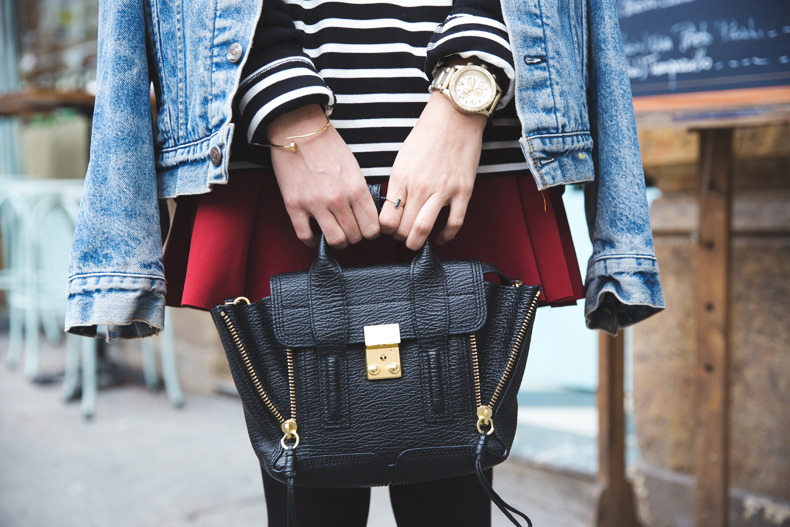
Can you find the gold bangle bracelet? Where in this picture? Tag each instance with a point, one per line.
(292, 146)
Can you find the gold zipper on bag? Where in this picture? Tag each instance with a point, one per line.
(475, 369)
(485, 412)
(291, 382)
(288, 426)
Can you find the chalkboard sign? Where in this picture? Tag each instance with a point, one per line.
(681, 46)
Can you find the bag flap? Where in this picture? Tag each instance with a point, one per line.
(377, 295)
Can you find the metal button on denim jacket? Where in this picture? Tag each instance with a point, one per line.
(573, 99)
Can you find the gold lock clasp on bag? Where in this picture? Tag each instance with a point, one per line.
(382, 351)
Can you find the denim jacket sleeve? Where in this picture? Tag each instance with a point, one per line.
(573, 98)
(116, 275)
(623, 285)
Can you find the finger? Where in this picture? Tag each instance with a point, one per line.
(410, 212)
(390, 217)
(334, 234)
(455, 220)
(301, 223)
(424, 222)
(344, 216)
(367, 217)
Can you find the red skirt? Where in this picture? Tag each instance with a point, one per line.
(227, 243)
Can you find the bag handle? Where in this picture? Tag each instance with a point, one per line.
(328, 302)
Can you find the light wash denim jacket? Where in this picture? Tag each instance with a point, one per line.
(573, 99)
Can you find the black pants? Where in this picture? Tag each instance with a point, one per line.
(457, 502)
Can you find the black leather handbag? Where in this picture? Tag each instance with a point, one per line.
(381, 375)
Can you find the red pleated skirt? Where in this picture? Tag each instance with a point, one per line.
(227, 243)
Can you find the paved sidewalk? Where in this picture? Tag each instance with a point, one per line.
(140, 462)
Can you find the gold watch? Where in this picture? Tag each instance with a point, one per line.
(470, 88)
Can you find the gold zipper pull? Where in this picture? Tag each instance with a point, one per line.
(484, 414)
(289, 429)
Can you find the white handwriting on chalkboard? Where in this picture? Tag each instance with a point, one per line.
(732, 31)
(656, 43)
(627, 8)
(691, 37)
(677, 45)
(650, 65)
(648, 57)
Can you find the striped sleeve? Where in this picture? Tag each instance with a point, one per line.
(278, 76)
(474, 28)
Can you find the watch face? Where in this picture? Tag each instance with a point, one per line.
(473, 89)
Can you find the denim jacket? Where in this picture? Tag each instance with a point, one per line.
(573, 99)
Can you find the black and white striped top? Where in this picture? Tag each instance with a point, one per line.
(369, 63)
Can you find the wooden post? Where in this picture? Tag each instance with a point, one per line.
(615, 495)
(711, 503)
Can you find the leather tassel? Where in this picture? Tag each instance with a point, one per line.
(489, 490)
(290, 473)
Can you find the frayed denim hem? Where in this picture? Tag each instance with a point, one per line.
(131, 306)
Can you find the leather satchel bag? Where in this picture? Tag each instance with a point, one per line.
(381, 375)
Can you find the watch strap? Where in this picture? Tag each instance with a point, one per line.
(441, 81)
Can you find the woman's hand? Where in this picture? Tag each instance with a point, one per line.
(321, 180)
(436, 166)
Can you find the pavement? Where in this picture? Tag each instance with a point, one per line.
(141, 462)
(559, 428)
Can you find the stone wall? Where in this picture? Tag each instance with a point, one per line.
(665, 345)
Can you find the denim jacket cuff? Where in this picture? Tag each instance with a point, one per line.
(132, 306)
(621, 291)
(559, 159)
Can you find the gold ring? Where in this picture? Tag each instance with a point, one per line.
(398, 203)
